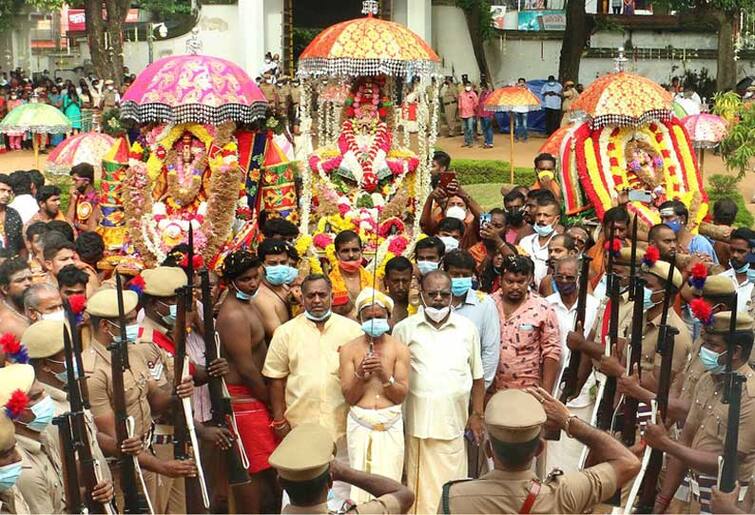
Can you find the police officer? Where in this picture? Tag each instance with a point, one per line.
(515, 420)
(141, 391)
(306, 470)
(449, 94)
(11, 500)
(702, 440)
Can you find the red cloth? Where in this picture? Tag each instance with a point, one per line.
(253, 421)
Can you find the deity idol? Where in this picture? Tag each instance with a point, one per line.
(645, 170)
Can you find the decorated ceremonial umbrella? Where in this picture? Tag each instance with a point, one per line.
(36, 118)
(86, 147)
(705, 131)
(193, 88)
(508, 99)
(623, 99)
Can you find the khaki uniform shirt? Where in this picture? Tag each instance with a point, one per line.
(692, 372)
(710, 416)
(13, 503)
(308, 358)
(283, 94)
(650, 358)
(135, 384)
(41, 480)
(270, 92)
(158, 360)
(385, 504)
(501, 491)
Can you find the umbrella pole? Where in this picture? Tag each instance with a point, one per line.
(35, 146)
(511, 140)
(702, 160)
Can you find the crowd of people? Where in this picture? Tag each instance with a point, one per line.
(446, 367)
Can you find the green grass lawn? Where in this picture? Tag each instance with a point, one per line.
(488, 194)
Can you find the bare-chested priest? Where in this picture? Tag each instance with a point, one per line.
(374, 373)
(242, 336)
(272, 301)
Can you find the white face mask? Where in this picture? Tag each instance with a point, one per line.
(58, 315)
(468, 88)
(450, 242)
(437, 315)
(456, 212)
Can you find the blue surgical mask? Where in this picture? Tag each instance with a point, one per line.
(543, 230)
(450, 242)
(170, 319)
(293, 273)
(280, 274)
(376, 327)
(742, 269)
(751, 274)
(647, 300)
(425, 267)
(9, 474)
(710, 360)
(244, 297)
(315, 318)
(132, 333)
(460, 285)
(63, 376)
(675, 225)
(43, 411)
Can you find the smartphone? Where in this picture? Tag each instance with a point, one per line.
(446, 178)
(485, 219)
(640, 196)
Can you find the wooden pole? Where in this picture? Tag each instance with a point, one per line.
(702, 160)
(35, 146)
(511, 140)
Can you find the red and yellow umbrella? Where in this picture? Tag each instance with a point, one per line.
(552, 145)
(623, 99)
(508, 99)
(368, 46)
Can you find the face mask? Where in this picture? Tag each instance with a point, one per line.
(515, 216)
(543, 230)
(460, 285)
(742, 269)
(436, 314)
(647, 300)
(279, 274)
(568, 288)
(9, 474)
(170, 318)
(63, 376)
(675, 226)
(315, 318)
(456, 212)
(350, 267)
(709, 359)
(57, 316)
(450, 242)
(132, 333)
(751, 275)
(43, 413)
(425, 267)
(376, 327)
(468, 88)
(243, 297)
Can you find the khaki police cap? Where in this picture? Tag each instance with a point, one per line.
(163, 281)
(104, 303)
(44, 338)
(718, 286)
(15, 377)
(304, 454)
(624, 257)
(722, 322)
(7, 433)
(661, 268)
(514, 416)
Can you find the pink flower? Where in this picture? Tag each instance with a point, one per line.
(397, 246)
(322, 240)
(343, 209)
(370, 182)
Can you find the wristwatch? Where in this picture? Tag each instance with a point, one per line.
(391, 381)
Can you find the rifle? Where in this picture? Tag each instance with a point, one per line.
(633, 260)
(629, 429)
(134, 500)
(606, 408)
(728, 464)
(70, 467)
(183, 417)
(237, 462)
(665, 347)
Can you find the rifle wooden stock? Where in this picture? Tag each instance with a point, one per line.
(606, 408)
(629, 429)
(70, 468)
(220, 402)
(633, 258)
(134, 500)
(730, 468)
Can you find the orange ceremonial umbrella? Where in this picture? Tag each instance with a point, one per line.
(552, 145)
(368, 46)
(508, 98)
(623, 99)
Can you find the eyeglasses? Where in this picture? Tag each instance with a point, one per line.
(443, 294)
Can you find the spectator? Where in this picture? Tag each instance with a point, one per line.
(545, 168)
(570, 95)
(72, 281)
(468, 102)
(72, 109)
(485, 116)
(551, 92)
(24, 202)
(63, 228)
(12, 237)
(520, 115)
(724, 213)
(48, 201)
(674, 214)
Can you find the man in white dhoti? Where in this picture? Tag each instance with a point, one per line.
(445, 372)
(374, 371)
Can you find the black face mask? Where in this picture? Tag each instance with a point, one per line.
(435, 181)
(515, 217)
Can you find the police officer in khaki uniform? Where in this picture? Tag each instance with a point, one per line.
(11, 500)
(306, 470)
(515, 420)
(269, 90)
(449, 95)
(142, 393)
(294, 114)
(284, 95)
(702, 439)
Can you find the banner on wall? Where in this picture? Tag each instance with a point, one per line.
(77, 19)
(497, 14)
(541, 20)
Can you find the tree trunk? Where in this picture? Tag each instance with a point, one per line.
(726, 76)
(576, 36)
(95, 27)
(473, 25)
(117, 10)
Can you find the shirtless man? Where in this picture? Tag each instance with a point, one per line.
(15, 279)
(272, 301)
(349, 254)
(242, 336)
(374, 372)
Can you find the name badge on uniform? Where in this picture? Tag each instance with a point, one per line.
(526, 327)
(156, 370)
(695, 487)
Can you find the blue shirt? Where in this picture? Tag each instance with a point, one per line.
(480, 309)
(702, 245)
(552, 101)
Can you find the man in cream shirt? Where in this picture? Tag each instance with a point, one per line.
(445, 372)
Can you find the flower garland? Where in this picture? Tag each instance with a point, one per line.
(181, 194)
(161, 140)
(303, 246)
(340, 291)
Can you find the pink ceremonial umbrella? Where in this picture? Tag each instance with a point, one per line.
(193, 88)
(705, 131)
(86, 147)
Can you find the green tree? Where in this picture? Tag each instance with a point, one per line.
(738, 148)
(579, 27)
(479, 23)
